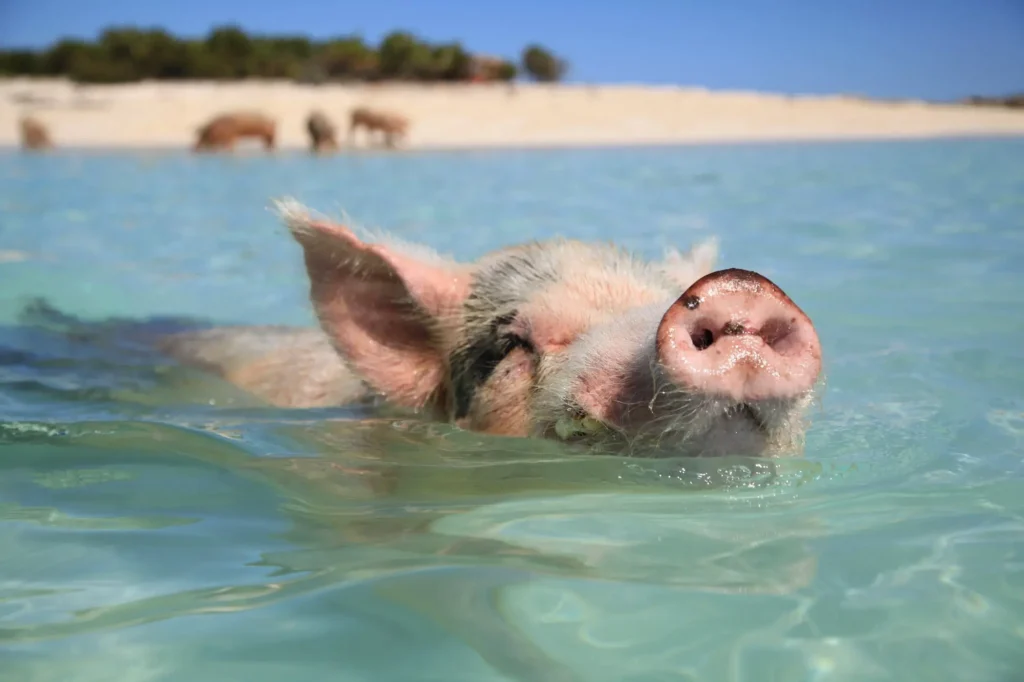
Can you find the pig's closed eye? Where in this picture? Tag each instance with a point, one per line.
(473, 364)
(509, 341)
(508, 336)
(479, 359)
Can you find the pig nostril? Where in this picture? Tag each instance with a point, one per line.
(702, 339)
(776, 331)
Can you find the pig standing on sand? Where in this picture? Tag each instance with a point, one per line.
(225, 130)
(322, 135)
(34, 135)
(392, 126)
(564, 339)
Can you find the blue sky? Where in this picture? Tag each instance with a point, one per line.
(936, 49)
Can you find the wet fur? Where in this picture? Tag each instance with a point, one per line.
(284, 366)
(606, 300)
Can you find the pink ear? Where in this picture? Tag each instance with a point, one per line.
(380, 307)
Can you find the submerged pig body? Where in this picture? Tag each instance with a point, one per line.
(561, 338)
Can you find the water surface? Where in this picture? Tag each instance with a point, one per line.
(157, 525)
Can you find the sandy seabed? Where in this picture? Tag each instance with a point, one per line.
(166, 115)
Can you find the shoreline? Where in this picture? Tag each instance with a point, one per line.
(153, 115)
(246, 151)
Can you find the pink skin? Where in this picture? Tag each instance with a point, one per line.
(734, 334)
(727, 368)
(566, 339)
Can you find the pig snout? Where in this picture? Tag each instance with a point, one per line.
(735, 335)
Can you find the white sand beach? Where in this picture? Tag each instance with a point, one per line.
(166, 115)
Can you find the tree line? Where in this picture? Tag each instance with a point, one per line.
(127, 54)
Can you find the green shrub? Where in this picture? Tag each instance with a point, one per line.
(125, 53)
(543, 65)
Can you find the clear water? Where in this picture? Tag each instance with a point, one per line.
(155, 525)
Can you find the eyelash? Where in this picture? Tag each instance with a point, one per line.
(510, 341)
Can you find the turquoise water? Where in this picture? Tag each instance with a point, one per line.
(156, 525)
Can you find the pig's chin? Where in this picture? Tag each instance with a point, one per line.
(703, 427)
(736, 430)
(765, 428)
(714, 427)
(710, 427)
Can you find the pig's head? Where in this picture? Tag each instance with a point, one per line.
(582, 342)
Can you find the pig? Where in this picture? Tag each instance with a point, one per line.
(34, 134)
(581, 342)
(223, 131)
(322, 134)
(393, 126)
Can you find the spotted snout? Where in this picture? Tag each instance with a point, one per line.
(735, 334)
